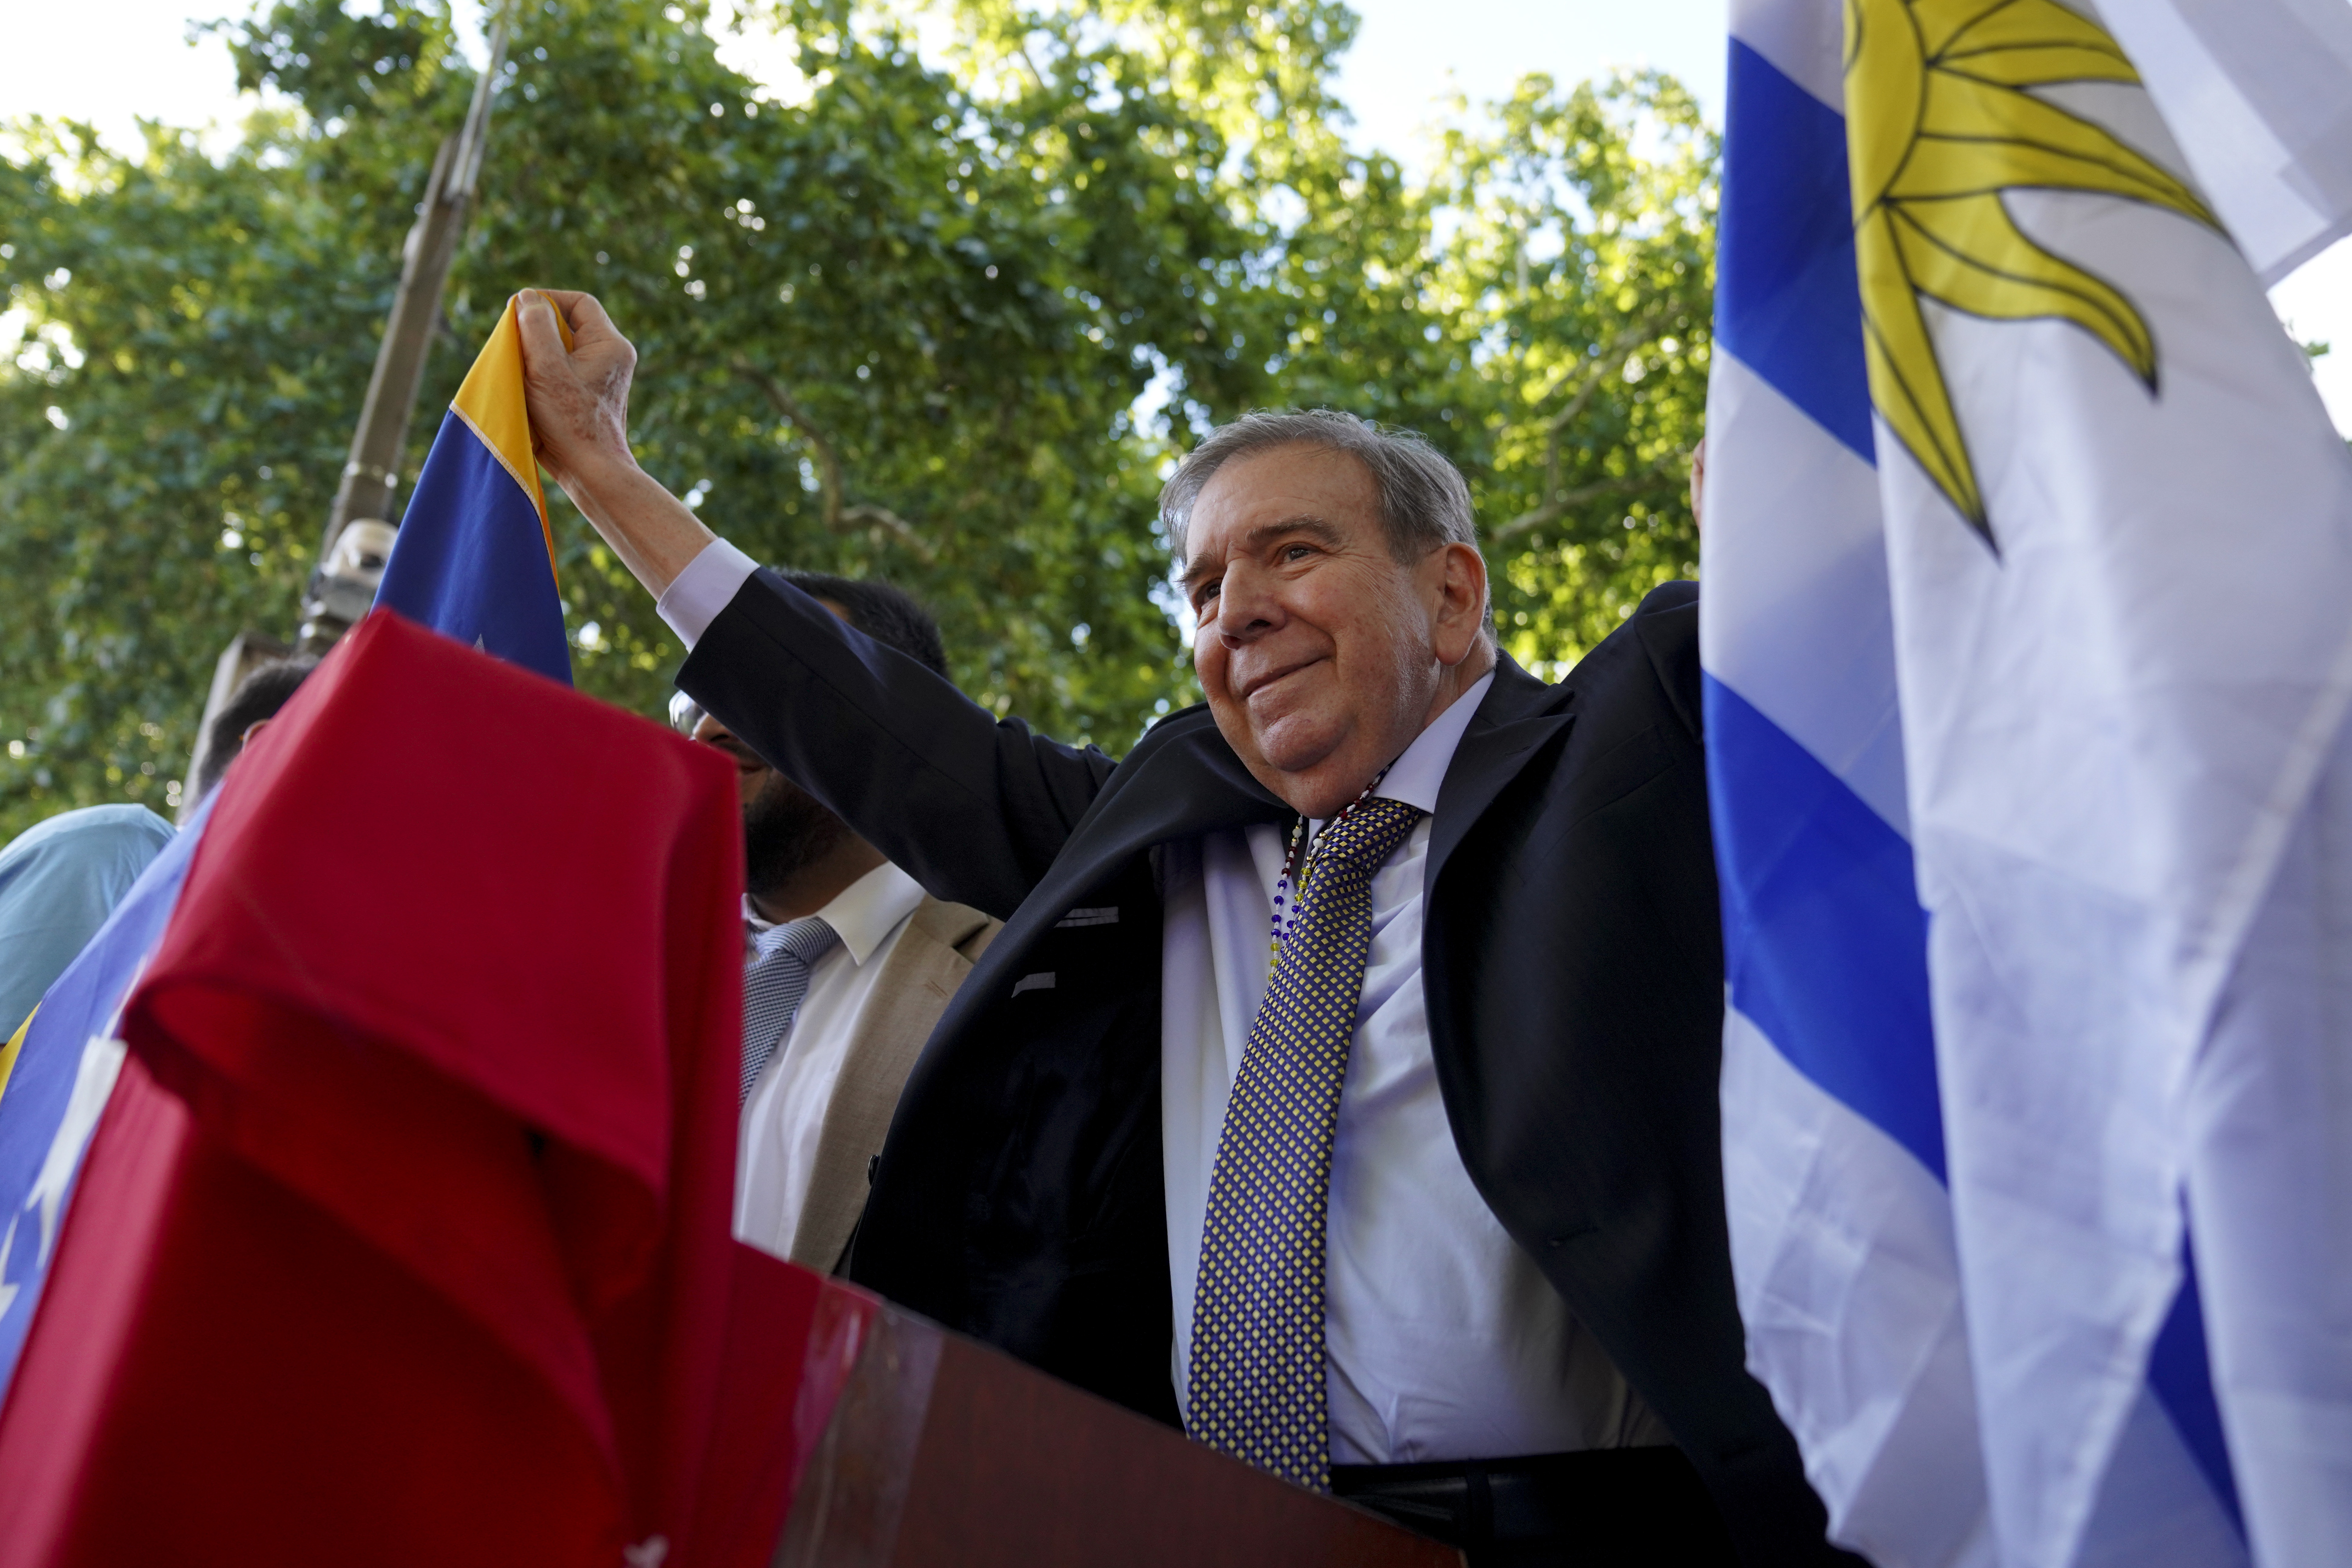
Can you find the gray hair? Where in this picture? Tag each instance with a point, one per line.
(1422, 500)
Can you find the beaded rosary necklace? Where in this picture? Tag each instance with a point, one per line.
(1294, 873)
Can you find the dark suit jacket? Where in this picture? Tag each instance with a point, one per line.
(1572, 963)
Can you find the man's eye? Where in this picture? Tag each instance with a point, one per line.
(1297, 552)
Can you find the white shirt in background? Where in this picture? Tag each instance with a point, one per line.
(776, 1156)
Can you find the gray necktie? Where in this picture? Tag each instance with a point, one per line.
(773, 983)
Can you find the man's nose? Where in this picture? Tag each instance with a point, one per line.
(1247, 605)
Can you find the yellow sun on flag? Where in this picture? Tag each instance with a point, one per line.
(1940, 122)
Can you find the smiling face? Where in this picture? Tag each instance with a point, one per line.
(1322, 655)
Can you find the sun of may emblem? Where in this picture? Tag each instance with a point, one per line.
(1940, 122)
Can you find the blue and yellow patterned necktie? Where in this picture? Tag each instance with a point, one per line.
(1255, 1385)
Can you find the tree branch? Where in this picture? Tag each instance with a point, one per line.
(1588, 382)
(828, 460)
(837, 518)
(1561, 502)
(884, 518)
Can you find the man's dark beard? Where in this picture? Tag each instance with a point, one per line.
(785, 832)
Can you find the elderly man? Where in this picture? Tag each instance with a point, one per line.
(1343, 1083)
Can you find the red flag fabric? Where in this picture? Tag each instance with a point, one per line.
(405, 1235)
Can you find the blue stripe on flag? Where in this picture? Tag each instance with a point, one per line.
(1785, 298)
(2181, 1377)
(1824, 939)
(84, 1002)
(1825, 948)
(1825, 944)
(471, 561)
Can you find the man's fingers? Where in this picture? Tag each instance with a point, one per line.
(587, 317)
(542, 339)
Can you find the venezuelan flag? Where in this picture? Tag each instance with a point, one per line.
(476, 559)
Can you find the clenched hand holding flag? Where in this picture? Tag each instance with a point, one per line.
(474, 559)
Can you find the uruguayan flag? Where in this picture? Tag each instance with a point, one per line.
(2029, 554)
(1834, 1142)
(2260, 94)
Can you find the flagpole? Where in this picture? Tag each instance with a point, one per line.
(337, 593)
(341, 590)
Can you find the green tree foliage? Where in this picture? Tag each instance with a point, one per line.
(1586, 281)
(944, 321)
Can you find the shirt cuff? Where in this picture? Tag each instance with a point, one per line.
(697, 594)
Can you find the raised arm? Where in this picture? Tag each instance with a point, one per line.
(973, 809)
(579, 401)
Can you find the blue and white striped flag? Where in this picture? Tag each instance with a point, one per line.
(1834, 1142)
(66, 1059)
(2027, 554)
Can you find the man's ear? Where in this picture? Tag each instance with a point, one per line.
(1462, 608)
(256, 728)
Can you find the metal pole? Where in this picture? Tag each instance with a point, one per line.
(342, 589)
(370, 478)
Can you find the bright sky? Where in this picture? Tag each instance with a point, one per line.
(110, 61)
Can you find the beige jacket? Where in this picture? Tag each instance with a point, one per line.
(935, 953)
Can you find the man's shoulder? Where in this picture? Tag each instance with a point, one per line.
(91, 833)
(958, 927)
(1186, 726)
(1184, 751)
(1650, 661)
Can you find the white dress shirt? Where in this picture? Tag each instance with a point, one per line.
(1443, 1340)
(776, 1156)
(695, 595)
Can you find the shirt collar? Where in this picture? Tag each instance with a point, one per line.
(1419, 773)
(862, 914)
(867, 910)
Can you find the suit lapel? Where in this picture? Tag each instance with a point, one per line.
(1193, 784)
(917, 981)
(1519, 714)
(1183, 781)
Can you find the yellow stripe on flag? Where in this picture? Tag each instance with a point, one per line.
(491, 404)
(9, 1052)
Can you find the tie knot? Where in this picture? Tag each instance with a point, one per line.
(807, 939)
(1368, 835)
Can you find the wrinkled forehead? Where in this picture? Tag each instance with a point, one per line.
(1261, 493)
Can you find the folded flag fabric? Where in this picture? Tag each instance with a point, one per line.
(406, 1237)
(2260, 94)
(2026, 551)
(2119, 541)
(60, 1070)
(474, 557)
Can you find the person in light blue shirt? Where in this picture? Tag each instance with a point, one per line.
(59, 881)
